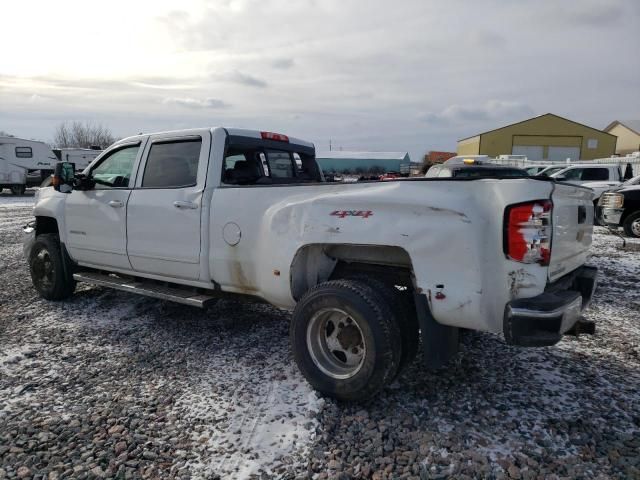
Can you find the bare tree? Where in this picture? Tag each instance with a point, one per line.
(82, 135)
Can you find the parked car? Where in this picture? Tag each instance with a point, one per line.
(598, 177)
(473, 168)
(621, 208)
(368, 268)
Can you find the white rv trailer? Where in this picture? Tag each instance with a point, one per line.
(24, 163)
(82, 157)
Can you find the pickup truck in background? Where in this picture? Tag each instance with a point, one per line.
(473, 166)
(598, 177)
(620, 207)
(371, 270)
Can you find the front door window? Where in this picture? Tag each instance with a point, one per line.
(116, 169)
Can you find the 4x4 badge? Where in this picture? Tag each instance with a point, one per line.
(352, 213)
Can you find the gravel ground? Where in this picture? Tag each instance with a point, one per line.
(113, 385)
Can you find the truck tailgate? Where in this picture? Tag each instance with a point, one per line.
(572, 228)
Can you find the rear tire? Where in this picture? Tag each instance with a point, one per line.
(52, 279)
(18, 189)
(345, 340)
(404, 310)
(631, 225)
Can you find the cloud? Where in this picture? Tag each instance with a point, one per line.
(498, 110)
(245, 79)
(594, 14)
(489, 39)
(415, 77)
(282, 63)
(212, 103)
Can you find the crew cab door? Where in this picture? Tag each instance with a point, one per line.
(164, 212)
(96, 219)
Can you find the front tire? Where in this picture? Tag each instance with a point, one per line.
(51, 278)
(631, 225)
(345, 340)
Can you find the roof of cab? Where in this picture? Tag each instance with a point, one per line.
(240, 132)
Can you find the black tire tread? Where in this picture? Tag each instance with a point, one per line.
(406, 316)
(626, 225)
(65, 285)
(384, 319)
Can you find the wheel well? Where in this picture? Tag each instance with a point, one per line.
(315, 264)
(629, 211)
(46, 225)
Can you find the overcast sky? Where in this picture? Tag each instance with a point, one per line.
(403, 75)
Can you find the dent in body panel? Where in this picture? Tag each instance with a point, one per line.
(519, 279)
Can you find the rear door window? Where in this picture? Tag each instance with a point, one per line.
(172, 164)
(595, 174)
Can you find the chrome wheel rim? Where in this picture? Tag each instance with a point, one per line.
(635, 227)
(43, 270)
(336, 343)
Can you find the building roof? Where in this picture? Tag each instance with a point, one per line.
(533, 118)
(343, 154)
(633, 125)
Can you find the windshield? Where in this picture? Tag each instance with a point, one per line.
(551, 170)
(632, 181)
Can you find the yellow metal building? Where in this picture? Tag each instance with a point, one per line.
(547, 137)
(628, 133)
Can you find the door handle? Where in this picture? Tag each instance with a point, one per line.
(182, 204)
(116, 204)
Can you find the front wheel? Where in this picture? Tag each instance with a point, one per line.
(631, 225)
(18, 189)
(345, 340)
(48, 273)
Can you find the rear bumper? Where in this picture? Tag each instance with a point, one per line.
(543, 320)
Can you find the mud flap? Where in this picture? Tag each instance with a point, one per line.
(439, 342)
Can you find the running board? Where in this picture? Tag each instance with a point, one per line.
(149, 289)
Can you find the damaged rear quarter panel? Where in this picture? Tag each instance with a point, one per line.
(452, 231)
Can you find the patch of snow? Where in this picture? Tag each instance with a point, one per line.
(8, 200)
(253, 429)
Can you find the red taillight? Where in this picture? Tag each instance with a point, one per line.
(278, 137)
(527, 231)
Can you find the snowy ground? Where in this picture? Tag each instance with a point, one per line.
(110, 384)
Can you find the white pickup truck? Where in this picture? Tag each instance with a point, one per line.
(369, 268)
(598, 177)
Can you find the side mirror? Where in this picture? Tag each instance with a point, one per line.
(63, 177)
(561, 178)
